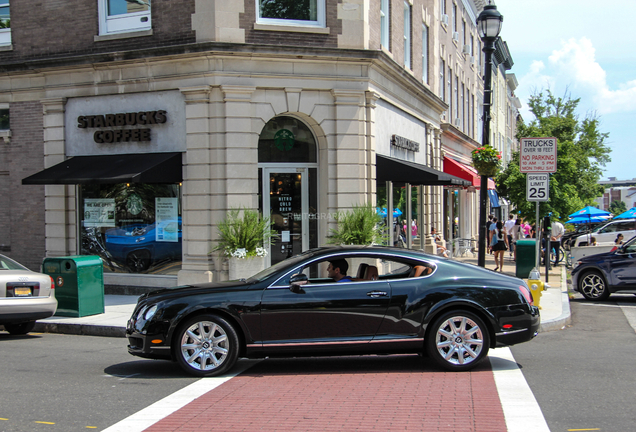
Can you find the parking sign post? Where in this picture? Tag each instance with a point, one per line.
(537, 159)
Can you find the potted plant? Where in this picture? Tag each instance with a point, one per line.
(486, 160)
(243, 236)
(360, 226)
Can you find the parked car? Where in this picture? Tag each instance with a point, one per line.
(138, 246)
(25, 296)
(568, 239)
(598, 276)
(399, 301)
(607, 232)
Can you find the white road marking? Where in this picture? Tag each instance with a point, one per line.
(520, 407)
(166, 406)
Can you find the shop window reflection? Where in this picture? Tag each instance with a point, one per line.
(134, 228)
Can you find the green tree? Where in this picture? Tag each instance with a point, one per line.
(617, 207)
(581, 154)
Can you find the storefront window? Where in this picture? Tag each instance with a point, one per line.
(134, 228)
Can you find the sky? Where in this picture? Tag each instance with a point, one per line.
(585, 48)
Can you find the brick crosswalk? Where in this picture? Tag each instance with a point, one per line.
(387, 393)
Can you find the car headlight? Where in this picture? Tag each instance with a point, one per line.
(150, 313)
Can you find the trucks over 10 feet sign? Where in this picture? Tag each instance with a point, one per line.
(538, 155)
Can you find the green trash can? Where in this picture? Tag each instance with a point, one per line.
(79, 284)
(526, 257)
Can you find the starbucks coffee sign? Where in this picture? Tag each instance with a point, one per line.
(149, 122)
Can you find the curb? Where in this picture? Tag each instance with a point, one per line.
(80, 329)
(566, 317)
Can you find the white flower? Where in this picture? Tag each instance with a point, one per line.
(261, 252)
(240, 253)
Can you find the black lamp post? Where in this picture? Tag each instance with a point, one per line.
(489, 25)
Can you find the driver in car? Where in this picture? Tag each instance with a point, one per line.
(337, 270)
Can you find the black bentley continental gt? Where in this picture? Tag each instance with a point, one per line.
(394, 301)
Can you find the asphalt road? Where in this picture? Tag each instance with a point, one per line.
(583, 376)
(66, 383)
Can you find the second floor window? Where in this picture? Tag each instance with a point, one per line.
(5, 23)
(4, 119)
(407, 35)
(122, 16)
(291, 12)
(384, 24)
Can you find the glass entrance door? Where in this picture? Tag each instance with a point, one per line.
(286, 200)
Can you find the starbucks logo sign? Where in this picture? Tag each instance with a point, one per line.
(284, 140)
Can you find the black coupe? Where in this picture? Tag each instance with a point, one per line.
(394, 301)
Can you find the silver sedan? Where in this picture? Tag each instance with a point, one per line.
(25, 296)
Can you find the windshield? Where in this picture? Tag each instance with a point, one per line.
(9, 264)
(289, 262)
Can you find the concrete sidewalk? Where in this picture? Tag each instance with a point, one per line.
(555, 307)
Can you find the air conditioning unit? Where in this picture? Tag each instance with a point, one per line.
(466, 49)
(445, 19)
(456, 36)
(458, 122)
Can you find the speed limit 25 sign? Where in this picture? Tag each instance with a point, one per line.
(537, 187)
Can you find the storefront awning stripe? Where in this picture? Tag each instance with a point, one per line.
(111, 169)
(458, 169)
(401, 171)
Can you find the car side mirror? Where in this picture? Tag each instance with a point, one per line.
(297, 281)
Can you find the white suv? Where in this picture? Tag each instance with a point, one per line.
(607, 233)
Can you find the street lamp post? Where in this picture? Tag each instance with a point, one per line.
(489, 25)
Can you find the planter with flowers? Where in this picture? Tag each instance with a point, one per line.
(244, 234)
(486, 160)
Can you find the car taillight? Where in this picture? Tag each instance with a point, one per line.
(527, 294)
(52, 282)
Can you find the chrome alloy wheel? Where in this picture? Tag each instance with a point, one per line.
(593, 287)
(205, 346)
(459, 340)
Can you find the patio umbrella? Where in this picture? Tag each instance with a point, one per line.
(586, 219)
(589, 211)
(631, 213)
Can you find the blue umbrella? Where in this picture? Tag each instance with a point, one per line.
(397, 212)
(586, 219)
(589, 211)
(381, 212)
(631, 213)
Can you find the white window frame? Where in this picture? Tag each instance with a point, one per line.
(424, 53)
(5, 34)
(124, 23)
(320, 22)
(407, 35)
(385, 19)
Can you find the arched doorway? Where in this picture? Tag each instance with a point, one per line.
(288, 180)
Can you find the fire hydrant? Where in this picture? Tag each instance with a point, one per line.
(536, 286)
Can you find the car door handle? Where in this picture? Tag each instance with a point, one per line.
(376, 294)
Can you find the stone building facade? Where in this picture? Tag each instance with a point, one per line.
(135, 128)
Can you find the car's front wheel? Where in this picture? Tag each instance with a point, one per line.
(593, 286)
(206, 345)
(458, 341)
(20, 329)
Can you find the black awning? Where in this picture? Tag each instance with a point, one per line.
(110, 169)
(401, 171)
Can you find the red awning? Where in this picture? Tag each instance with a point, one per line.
(466, 172)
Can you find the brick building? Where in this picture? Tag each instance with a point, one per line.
(134, 126)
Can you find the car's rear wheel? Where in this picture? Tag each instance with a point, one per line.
(20, 329)
(206, 345)
(593, 286)
(458, 341)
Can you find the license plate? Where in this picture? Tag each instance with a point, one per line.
(21, 291)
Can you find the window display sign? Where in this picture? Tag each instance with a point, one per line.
(167, 219)
(99, 212)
